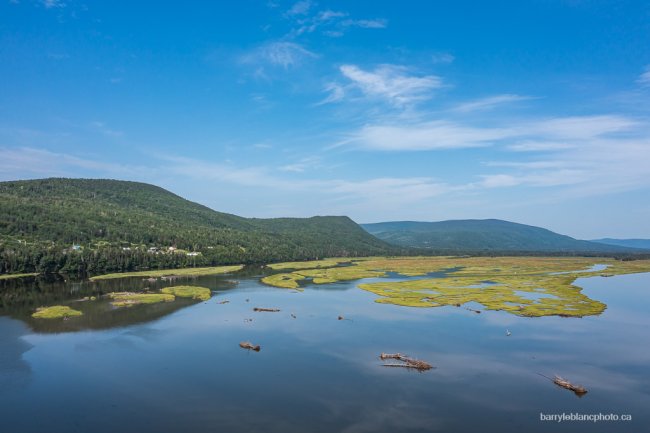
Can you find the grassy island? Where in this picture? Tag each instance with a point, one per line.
(194, 292)
(129, 299)
(55, 312)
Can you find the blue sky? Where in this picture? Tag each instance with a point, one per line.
(535, 112)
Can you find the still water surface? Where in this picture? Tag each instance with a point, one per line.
(178, 367)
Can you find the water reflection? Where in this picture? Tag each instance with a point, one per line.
(15, 372)
(184, 371)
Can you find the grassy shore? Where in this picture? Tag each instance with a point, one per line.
(9, 276)
(185, 272)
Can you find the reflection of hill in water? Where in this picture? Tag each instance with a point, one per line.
(14, 371)
(100, 314)
(19, 298)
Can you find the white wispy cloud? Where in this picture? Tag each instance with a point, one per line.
(26, 162)
(578, 127)
(335, 91)
(329, 22)
(572, 172)
(644, 78)
(379, 23)
(299, 8)
(442, 58)
(105, 130)
(393, 83)
(252, 176)
(594, 163)
(278, 53)
(328, 14)
(302, 165)
(490, 102)
(538, 146)
(425, 136)
(548, 178)
(49, 4)
(389, 189)
(545, 134)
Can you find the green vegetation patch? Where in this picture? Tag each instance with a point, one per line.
(332, 275)
(524, 286)
(530, 296)
(8, 276)
(285, 281)
(55, 312)
(129, 299)
(311, 264)
(194, 292)
(185, 272)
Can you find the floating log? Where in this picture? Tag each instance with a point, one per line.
(225, 301)
(341, 317)
(268, 310)
(293, 315)
(577, 389)
(250, 346)
(405, 362)
(473, 310)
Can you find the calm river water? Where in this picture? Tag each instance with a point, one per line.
(177, 367)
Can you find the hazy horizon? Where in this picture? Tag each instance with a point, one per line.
(533, 113)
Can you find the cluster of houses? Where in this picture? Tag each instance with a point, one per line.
(151, 250)
(174, 250)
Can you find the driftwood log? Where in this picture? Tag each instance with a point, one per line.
(250, 346)
(405, 362)
(268, 310)
(577, 389)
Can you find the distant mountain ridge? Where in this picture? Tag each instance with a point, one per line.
(482, 235)
(630, 243)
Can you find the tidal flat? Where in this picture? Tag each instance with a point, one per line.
(523, 286)
(110, 368)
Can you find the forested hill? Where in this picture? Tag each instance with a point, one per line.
(484, 235)
(93, 225)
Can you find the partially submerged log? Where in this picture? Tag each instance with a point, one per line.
(579, 390)
(269, 310)
(250, 346)
(405, 362)
(225, 301)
